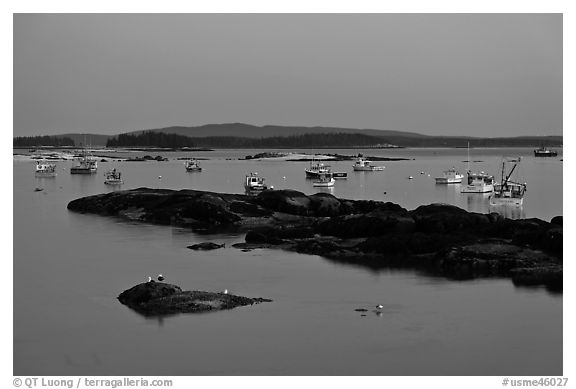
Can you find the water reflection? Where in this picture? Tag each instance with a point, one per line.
(480, 203)
(477, 202)
(450, 192)
(361, 184)
(308, 290)
(43, 179)
(508, 211)
(115, 188)
(325, 189)
(84, 181)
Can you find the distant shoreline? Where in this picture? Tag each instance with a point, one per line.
(242, 135)
(158, 149)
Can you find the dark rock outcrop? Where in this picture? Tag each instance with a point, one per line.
(374, 223)
(444, 218)
(206, 246)
(160, 299)
(557, 220)
(439, 238)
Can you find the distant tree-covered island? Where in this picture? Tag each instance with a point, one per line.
(151, 139)
(39, 141)
(163, 140)
(323, 140)
(241, 135)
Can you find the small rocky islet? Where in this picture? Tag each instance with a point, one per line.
(163, 299)
(205, 246)
(439, 239)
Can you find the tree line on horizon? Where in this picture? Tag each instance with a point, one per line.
(151, 139)
(42, 140)
(158, 139)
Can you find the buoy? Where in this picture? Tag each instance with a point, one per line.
(159, 177)
(410, 177)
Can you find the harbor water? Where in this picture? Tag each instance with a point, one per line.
(69, 268)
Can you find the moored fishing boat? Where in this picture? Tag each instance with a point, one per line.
(192, 165)
(508, 192)
(315, 169)
(479, 182)
(113, 177)
(324, 180)
(545, 152)
(450, 176)
(363, 165)
(86, 165)
(45, 169)
(253, 183)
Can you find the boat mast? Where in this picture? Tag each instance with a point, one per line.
(511, 171)
(468, 168)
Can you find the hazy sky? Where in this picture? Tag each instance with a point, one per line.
(451, 74)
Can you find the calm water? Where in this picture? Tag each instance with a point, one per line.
(69, 268)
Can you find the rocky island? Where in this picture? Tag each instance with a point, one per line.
(161, 299)
(438, 238)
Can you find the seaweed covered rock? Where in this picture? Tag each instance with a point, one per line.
(205, 246)
(444, 218)
(375, 234)
(364, 225)
(159, 299)
(286, 201)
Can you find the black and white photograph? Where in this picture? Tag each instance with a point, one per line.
(287, 194)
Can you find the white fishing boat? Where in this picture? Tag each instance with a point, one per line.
(253, 183)
(450, 176)
(315, 169)
(85, 165)
(508, 192)
(479, 182)
(363, 165)
(192, 165)
(113, 177)
(545, 152)
(45, 169)
(325, 180)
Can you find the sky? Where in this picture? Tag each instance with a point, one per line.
(436, 74)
